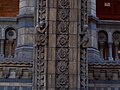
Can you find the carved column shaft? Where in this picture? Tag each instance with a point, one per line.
(40, 45)
(83, 46)
(62, 48)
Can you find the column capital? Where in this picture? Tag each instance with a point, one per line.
(116, 44)
(102, 43)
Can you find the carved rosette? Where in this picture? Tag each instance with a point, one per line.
(83, 46)
(62, 45)
(41, 41)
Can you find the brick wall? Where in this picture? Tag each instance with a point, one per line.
(9, 8)
(108, 9)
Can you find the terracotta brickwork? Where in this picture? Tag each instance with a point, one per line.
(9, 8)
(108, 9)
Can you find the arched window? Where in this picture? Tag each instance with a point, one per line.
(116, 46)
(103, 44)
(10, 42)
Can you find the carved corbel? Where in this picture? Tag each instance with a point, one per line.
(6, 72)
(97, 74)
(30, 74)
(109, 74)
(19, 73)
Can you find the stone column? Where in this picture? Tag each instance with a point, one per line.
(2, 42)
(101, 50)
(25, 30)
(110, 58)
(10, 49)
(2, 48)
(116, 50)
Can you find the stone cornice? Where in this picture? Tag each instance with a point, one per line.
(105, 64)
(109, 22)
(92, 18)
(15, 62)
(8, 19)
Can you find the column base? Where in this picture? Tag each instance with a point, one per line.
(1, 55)
(116, 58)
(94, 56)
(10, 56)
(24, 52)
(110, 58)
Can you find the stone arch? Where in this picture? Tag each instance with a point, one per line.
(116, 36)
(102, 36)
(10, 42)
(116, 44)
(103, 44)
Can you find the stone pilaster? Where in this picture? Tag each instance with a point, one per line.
(25, 30)
(93, 42)
(61, 45)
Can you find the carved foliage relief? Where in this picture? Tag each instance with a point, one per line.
(83, 46)
(62, 50)
(41, 41)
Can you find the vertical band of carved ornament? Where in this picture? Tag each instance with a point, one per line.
(62, 45)
(83, 46)
(41, 41)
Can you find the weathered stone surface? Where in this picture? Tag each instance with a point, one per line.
(61, 70)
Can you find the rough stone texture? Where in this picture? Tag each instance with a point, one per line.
(25, 30)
